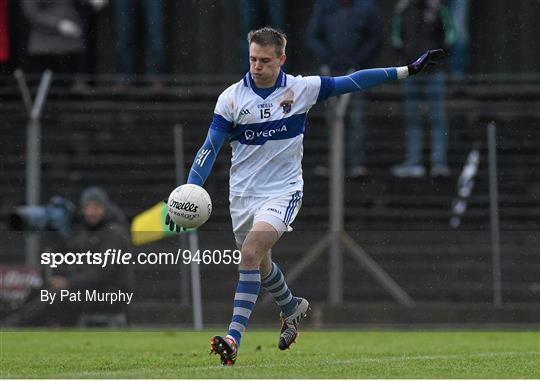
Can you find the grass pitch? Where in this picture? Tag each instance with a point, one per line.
(176, 354)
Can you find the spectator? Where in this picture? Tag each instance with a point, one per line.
(419, 25)
(126, 37)
(103, 227)
(88, 10)
(459, 58)
(55, 35)
(255, 14)
(4, 34)
(347, 34)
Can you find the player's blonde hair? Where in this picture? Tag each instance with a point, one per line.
(269, 36)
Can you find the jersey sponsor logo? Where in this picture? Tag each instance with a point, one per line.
(244, 112)
(265, 105)
(250, 135)
(259, 133)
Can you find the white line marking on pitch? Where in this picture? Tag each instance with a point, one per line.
(387, 359)
(99, 373)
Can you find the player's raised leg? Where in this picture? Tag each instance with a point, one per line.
(274, 282)
(292, 308)
(258, 242)
(280, 212)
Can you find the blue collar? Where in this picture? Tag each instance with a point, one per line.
(280, 82)
(264, 93)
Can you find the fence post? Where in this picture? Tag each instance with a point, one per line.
(192, 239)
(494, 215)
(33, 154)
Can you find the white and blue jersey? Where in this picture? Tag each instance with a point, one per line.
(266, 126)
(266, 133)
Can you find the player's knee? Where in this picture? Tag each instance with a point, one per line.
(251, 256)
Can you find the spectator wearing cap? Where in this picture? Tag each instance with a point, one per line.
(103, 227)
(98, 211)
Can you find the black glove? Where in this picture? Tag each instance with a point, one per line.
(428, 58)
(170, 222)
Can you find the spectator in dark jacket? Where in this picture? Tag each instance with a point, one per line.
(103, 227)
(346, 35)
(89, 12)
(55, 37)
(128, 13)
(419, 25)
(254, 14)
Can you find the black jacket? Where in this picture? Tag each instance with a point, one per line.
(111, 233)
(419, 25)
(344, 36)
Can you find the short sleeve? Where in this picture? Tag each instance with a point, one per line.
(225, 105)
(327, 87)
(313, 86)
(219, 123)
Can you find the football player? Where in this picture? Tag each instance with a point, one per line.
(263, 116)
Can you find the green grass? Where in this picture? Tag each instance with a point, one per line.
(176, 354)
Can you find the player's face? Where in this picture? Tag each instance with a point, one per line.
(264, 64)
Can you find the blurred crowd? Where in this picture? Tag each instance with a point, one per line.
(346, 35)
(62, 35)
(341, 35)
(65, 34)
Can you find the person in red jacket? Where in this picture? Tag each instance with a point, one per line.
(4, 32)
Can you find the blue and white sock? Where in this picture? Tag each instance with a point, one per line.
(246, 295)
(275, 284)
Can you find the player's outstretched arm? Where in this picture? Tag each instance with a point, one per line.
(206, 156)
(365, 79)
